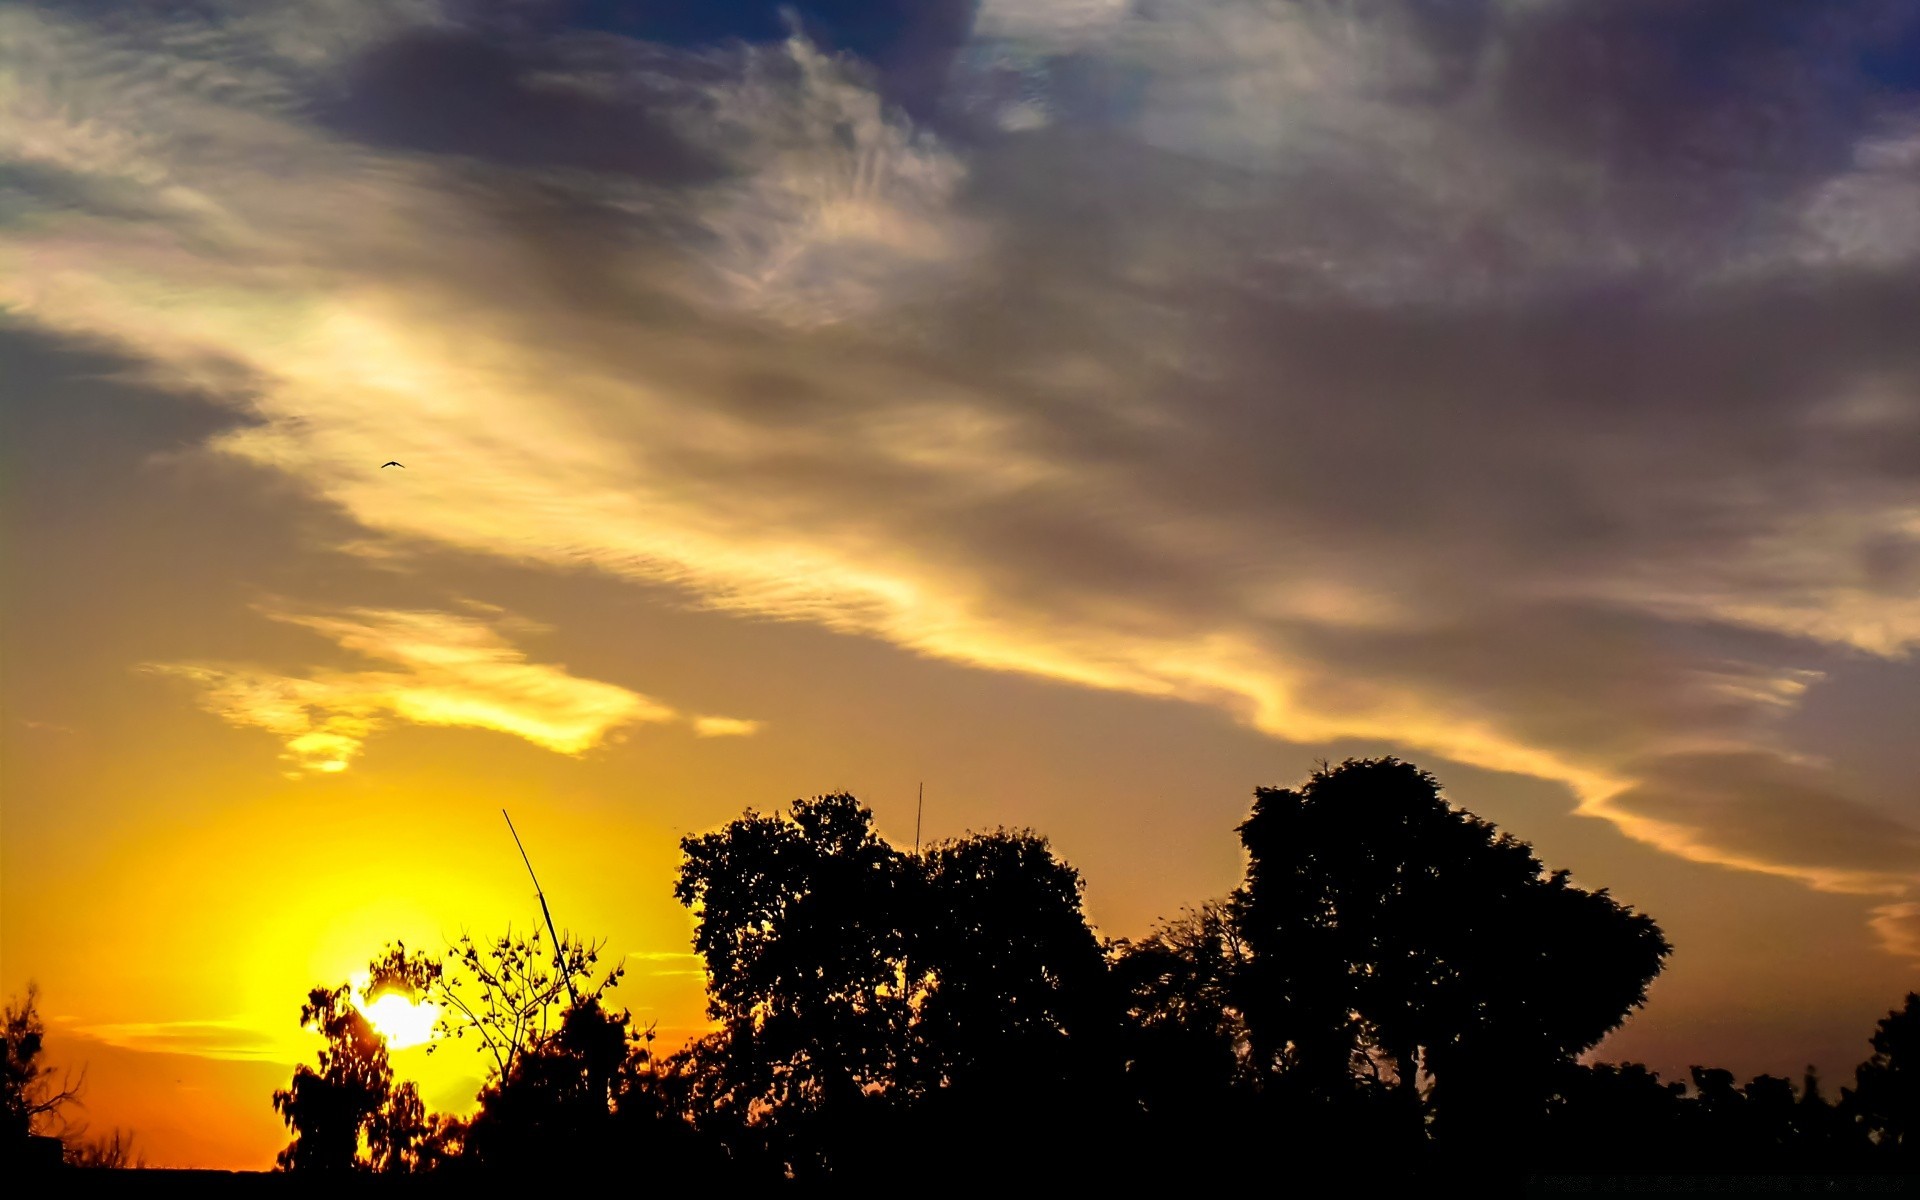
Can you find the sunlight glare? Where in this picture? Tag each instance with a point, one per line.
(400, 1021)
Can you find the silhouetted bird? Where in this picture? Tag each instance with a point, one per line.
(385, 465)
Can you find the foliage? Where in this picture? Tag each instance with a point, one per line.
(510, 993)
(803, 921)
(1885, 1099)
(1393, 936)
(1017, 986)
(30, 1101)
(1187, 1043)
(351, 1114)
(1397, 983)
(860, 988)
(557, 1102)
(112, 1152)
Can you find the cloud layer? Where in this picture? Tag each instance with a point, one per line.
(237, 1040)
(448, 669)
(1528, 383)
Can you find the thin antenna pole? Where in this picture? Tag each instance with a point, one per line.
(919, 809)
(559, 959)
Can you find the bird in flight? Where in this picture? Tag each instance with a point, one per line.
(385, 465)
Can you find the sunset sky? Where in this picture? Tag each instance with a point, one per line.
(1091, 408)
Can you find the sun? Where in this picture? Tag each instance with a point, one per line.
(399, 1020)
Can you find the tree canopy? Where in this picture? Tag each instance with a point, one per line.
(1393, 936)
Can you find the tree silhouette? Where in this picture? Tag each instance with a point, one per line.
(1397, 987)
(585, 1099)
(556, 1102)
(28, 1095)
(1395, 937)
(1618, 1117)
(1186, 1050)
(350, 1114)
(1016, 981)
(1885, 1098)
(511, 993)
(1187, 1041)
(1015, 1033)
(30, 1101)
(875, 1004)
(803, 922)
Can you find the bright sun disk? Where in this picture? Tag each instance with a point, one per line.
(400, 1021)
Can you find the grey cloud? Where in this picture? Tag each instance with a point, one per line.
(449, 91)
(1761, 808)
(1496, 382)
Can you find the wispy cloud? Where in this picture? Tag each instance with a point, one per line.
(669, 964)
(448, 669)
(220, 1039)
(1360, 373)
(725, 727)
(1899, 927)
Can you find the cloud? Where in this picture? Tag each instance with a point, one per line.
(1899, 927)
(1529, 384)
(453, 670)
(230, 1039)
(688, 964)
(725, 727)
(447, 91)
(1764, 812)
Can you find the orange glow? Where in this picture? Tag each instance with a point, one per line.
(855, 463)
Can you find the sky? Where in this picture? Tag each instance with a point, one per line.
(1090, 409)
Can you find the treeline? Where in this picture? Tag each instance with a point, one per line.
(1397, 989)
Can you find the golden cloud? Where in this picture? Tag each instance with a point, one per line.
(725, 727)
(1898, 926)
(448, 669)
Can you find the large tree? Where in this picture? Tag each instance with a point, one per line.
(1394, 938)
(1185, 1046)
(1016, 988)
(1885, 1098)
(958, 998)
(1015, 1036)
(351, 1113)
(803, 922)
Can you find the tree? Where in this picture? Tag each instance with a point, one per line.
(1187, 1044)
(30, 1101)
(870, 999)
(1885, 1097)
(556, 1103)
(1394, 937)
(511, 994)
(802, 920)
(1617, 1117)
(1015, 1030)
(1187, 1054)
(1016, 987)
(350, 1114)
